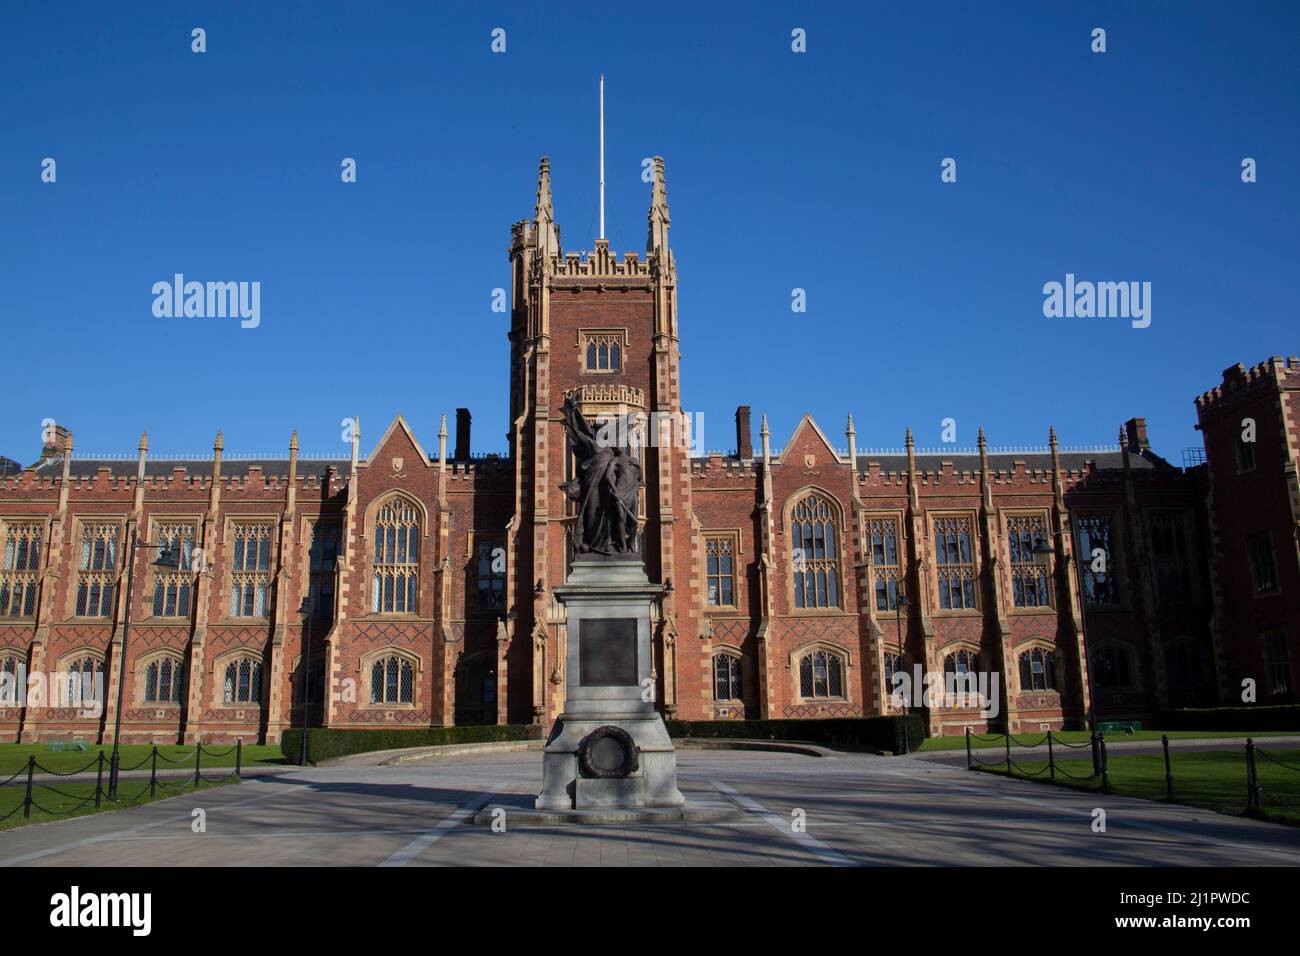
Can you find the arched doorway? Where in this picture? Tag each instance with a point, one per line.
(476, 688)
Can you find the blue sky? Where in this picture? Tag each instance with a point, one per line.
(816, 170)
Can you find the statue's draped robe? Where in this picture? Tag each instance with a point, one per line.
(605, 490)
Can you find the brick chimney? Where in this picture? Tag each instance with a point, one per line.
(744, 441)
(1136, 430)
(462, 434)
(56, 441)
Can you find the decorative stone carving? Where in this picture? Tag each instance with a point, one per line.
(608, 752)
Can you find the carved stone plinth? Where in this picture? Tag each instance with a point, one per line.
(610, 748)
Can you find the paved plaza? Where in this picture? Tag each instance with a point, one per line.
(859, 810)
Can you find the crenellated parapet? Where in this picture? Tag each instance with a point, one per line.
(718, 465)
(601, 264)
(620, 395)
(1239, 380)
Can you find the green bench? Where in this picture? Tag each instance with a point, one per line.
(1119, 726)
(59, 746)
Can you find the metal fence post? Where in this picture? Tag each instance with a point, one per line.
(1051, 756)
(27, 800)
(239, 753)
(968, 757)
(1252, 781)
(114, 763)
(1169, 774)
(1105, 767)
(1008, 754)
(99, 782)
(1096, 753)
(198, 752)
(153, 773)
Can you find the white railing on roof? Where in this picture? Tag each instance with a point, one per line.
(994, 450)
(234, 456)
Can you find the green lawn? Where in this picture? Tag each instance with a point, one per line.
(984, 741)
(1215, 780)
(13, 757)
(62, 801)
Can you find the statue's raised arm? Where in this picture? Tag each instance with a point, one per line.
(578, 429)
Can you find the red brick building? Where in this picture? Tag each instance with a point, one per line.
(422, 580)
(1249, 424)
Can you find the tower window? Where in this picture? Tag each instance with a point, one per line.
(1262, 568)
(602, 351)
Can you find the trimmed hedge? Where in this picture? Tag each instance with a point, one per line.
(877, 733)
(1272, 717)
(325, 743)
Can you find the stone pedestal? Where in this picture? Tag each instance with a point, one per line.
(610, 748)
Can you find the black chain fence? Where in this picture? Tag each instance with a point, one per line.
(108, 784)
(1260, 797)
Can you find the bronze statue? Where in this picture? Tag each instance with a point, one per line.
(605, 488)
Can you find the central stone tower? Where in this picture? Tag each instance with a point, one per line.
(599, 330)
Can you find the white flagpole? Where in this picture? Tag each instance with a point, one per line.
(602, 155)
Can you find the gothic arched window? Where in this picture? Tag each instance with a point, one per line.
(814, 553)
(13, 680)
(396, 574)
(821, 675)
(84, 682)
(242, 682)
(954, 562)
(1111, 667)
(162, 681)
(961, 670)
(19, 567)
(893, 664)
(1037, 669)
(392, 681)
(726, 677)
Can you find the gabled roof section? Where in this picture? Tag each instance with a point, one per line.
(799, 433)
(398, 425)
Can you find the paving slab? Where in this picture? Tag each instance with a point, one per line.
(792, 810)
